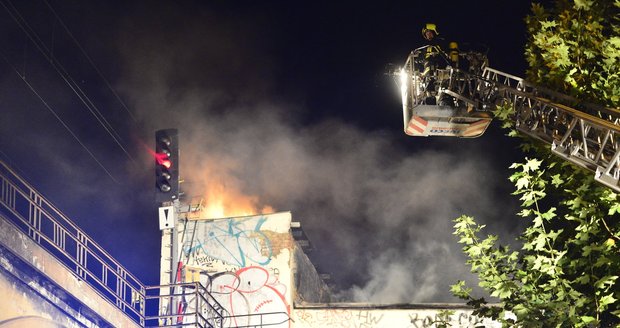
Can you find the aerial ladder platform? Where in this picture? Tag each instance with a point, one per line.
(458, 100)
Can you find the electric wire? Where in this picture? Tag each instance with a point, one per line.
(65, 75)
(34, 91)
(92, 63)
(23, 24)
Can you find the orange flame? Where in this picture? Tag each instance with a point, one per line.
(221, 194)
(226, 202)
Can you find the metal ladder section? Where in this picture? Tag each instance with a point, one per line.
(588, 137)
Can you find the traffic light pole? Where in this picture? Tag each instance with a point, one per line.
(167, 196)
(168, 224)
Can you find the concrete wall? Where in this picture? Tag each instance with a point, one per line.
(309, 287)
(38, 291)
(21, 306)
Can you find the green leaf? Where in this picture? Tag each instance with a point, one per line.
(550, 214)
(587, 319)
(548, 24)
(606, 300)
(459, 290)
(605, 281)
(532, 165)
(583, 4)
(523, 182)
(556, 180)
(583, 280)
(615, 208)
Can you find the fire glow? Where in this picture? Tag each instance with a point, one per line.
(225, 202)
(219, 190)
(222, 194)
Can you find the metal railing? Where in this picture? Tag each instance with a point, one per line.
(183, 305)
(175, 305)
(191, 305)
(29, 211)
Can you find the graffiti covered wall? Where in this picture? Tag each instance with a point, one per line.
(245, 262)
(368, 316)
(255, 270)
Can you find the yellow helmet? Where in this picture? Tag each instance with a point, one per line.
(430, 27)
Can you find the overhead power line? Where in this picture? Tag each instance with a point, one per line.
(58, 118)
(39, 44)
(90, 60)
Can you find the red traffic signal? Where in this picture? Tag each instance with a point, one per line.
(167, 165)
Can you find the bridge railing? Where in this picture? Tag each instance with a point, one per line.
(175, 305)
(49, 227)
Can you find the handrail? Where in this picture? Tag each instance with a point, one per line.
(197, 307)
(32, 213)
(46, 225)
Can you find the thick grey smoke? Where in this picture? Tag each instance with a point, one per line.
(379, 216)
(378, 210)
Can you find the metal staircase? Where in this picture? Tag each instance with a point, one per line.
(29, 212)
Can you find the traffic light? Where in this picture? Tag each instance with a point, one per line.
(167, 165)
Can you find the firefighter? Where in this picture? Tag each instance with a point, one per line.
(435, 58)
(430, 62)
(434, 54)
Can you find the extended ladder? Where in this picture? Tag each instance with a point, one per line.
(588, 136)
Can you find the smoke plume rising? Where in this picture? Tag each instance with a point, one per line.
(255, 138)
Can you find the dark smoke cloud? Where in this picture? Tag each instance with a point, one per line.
(380, 216)
(377, 209)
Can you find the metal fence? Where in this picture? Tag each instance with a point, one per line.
(175, 305)
(183, 305)
(49, 227)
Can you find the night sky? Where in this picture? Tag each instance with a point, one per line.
(286, 104)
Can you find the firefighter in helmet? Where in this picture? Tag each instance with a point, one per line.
(435, 58)
(435, 52)
(429, 32)
(433, 55)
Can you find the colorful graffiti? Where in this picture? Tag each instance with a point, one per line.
(244, 263)
(237, 242)
(251, 296)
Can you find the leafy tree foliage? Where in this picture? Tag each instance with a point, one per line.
(566, 272)
(575, 49)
